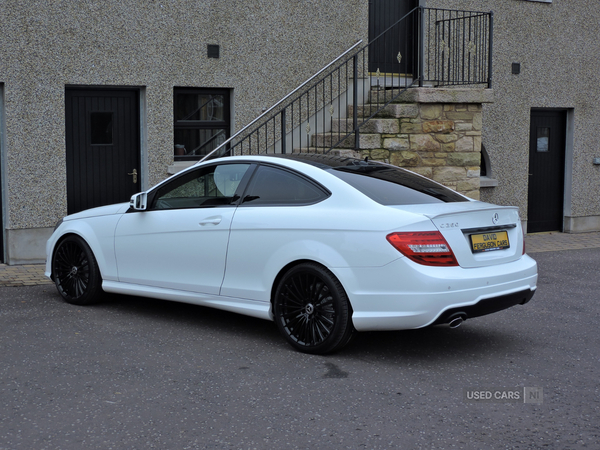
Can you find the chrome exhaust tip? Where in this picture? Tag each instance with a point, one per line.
(456, 320)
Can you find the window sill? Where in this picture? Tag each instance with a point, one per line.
(487, 182)
(178, 166)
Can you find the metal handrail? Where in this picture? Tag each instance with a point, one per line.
(283, 99)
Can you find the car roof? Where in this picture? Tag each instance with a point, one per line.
(325, 165)
(326, 162)
(315, 165)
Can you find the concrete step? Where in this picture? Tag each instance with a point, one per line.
(387, 81)
(385, 95)
(375, 125)
(393, 110)
(366, 141)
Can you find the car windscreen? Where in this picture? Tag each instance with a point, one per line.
(393, 186)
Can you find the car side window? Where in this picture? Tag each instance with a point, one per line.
(204, 187)
(273, 186)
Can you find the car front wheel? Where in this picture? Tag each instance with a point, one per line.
(312, 310)
(76, 272)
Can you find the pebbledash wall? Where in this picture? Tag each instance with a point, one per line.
(555, 43)
(267, 47)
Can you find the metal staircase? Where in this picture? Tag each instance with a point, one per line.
(329, 111)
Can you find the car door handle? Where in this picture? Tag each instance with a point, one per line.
(211, 221)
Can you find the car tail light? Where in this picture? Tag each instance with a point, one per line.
(425, 247)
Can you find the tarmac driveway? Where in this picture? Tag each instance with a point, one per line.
(135, 373)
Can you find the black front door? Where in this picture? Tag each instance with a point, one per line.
(398, 43)
(547, 141)
(103, 146)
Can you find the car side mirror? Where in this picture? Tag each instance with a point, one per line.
(139, 201)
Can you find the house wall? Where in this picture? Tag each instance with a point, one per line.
(556, 45)
(267, 48)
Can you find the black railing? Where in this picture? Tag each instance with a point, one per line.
(456, 48)
(426, 47)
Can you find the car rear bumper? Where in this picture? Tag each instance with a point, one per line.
(404, 295)
(485, 306)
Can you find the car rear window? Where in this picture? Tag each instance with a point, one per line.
(393, 186)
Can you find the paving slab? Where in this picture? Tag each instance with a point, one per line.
(23, 275)
(556, 241)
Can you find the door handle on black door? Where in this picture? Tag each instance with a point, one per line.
(135, 174)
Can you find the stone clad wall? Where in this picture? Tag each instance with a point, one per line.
(436, 133)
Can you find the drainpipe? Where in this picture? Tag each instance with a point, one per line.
(355, 102)
(490, 49)
(421, 45)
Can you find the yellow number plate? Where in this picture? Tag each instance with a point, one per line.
(486, 242)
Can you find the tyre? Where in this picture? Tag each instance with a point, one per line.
(312, 311)
(76, 272)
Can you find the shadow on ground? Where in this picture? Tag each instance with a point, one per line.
(433, 345)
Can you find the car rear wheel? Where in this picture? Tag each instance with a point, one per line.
(312, 310)
(76, 272)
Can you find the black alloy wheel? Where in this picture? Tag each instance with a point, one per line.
(76, 272)
(312, 310)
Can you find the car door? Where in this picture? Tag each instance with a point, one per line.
(180, 241)
(277, 212)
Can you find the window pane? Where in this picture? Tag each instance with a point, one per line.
(212, 186)
(199, 107)
(271, 186)
(197, 142)
(101, 125)
(202, 121)
(390, 186)
(543, 138)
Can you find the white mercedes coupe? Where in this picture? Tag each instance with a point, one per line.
(324, 246)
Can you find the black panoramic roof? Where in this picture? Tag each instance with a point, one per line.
(326, 161)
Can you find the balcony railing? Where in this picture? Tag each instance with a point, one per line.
(456, 48)
(427, 47)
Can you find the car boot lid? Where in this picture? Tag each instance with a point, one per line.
(480, 234)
